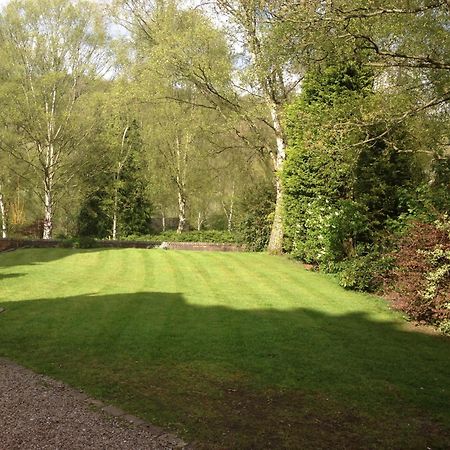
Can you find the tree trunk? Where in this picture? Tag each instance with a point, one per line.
(3, 216)
(48, 193)
(273, 87)
(181, 168)
(114, 227)
(277, 233)
(123, 159)
(199, 222)
(181, 212)
(49, 167)
(231, 212)
(48, 214)
(163, 221)
(115, 205)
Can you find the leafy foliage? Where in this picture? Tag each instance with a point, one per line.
(214, 236)
(94, 219)
(420, 282)
(331, 232)
(366, 272)
(322, 218)
(124, 192)
(256, 217)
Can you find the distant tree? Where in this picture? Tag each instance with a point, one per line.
(172, 43)
(117, 196)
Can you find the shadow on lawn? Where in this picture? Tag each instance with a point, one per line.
(243, 379)
(4, 276)
(33, 256)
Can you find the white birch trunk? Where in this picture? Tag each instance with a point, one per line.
(181, 212)
(114, 227)
(122, 160)
(277, 235)
(49, 167)
(230, 212)
(274, 94)
(48, 214)
(3, 216)
(200, 221)
(48, 192)
(181, 184)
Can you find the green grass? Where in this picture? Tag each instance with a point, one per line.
(234, 351)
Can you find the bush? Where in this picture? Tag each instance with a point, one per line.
(213, 236)
(255, 217)
(331, 232)
(80, 242)
(420, 282)
(365, 273)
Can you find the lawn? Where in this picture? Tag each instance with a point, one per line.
(232, 351)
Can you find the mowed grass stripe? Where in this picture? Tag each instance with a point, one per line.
(172, 336)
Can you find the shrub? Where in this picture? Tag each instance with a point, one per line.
(331, 232)
(420, 282)
(255, 217)
(213, 236)
(335, 184)
(84, 242)
(365, 273)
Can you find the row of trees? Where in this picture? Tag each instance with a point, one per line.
(340, 107)
(102, 131)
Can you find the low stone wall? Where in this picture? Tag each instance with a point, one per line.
(204, 246)
(12, 244)
(127, 244)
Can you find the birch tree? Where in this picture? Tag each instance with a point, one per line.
(171, 44)
(263, 76)
(268, 76)
(173, 137)
(54, 48)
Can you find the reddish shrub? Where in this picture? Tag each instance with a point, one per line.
(406, 285)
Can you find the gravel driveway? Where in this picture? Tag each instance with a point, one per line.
(37, 412)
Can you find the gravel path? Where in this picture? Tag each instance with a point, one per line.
(37, 412)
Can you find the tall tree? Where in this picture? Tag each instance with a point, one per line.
(176, 148)
(256, 21)
(263, 70)
(116, 200)
(53, 49)
(404, 42)
(175, 48)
